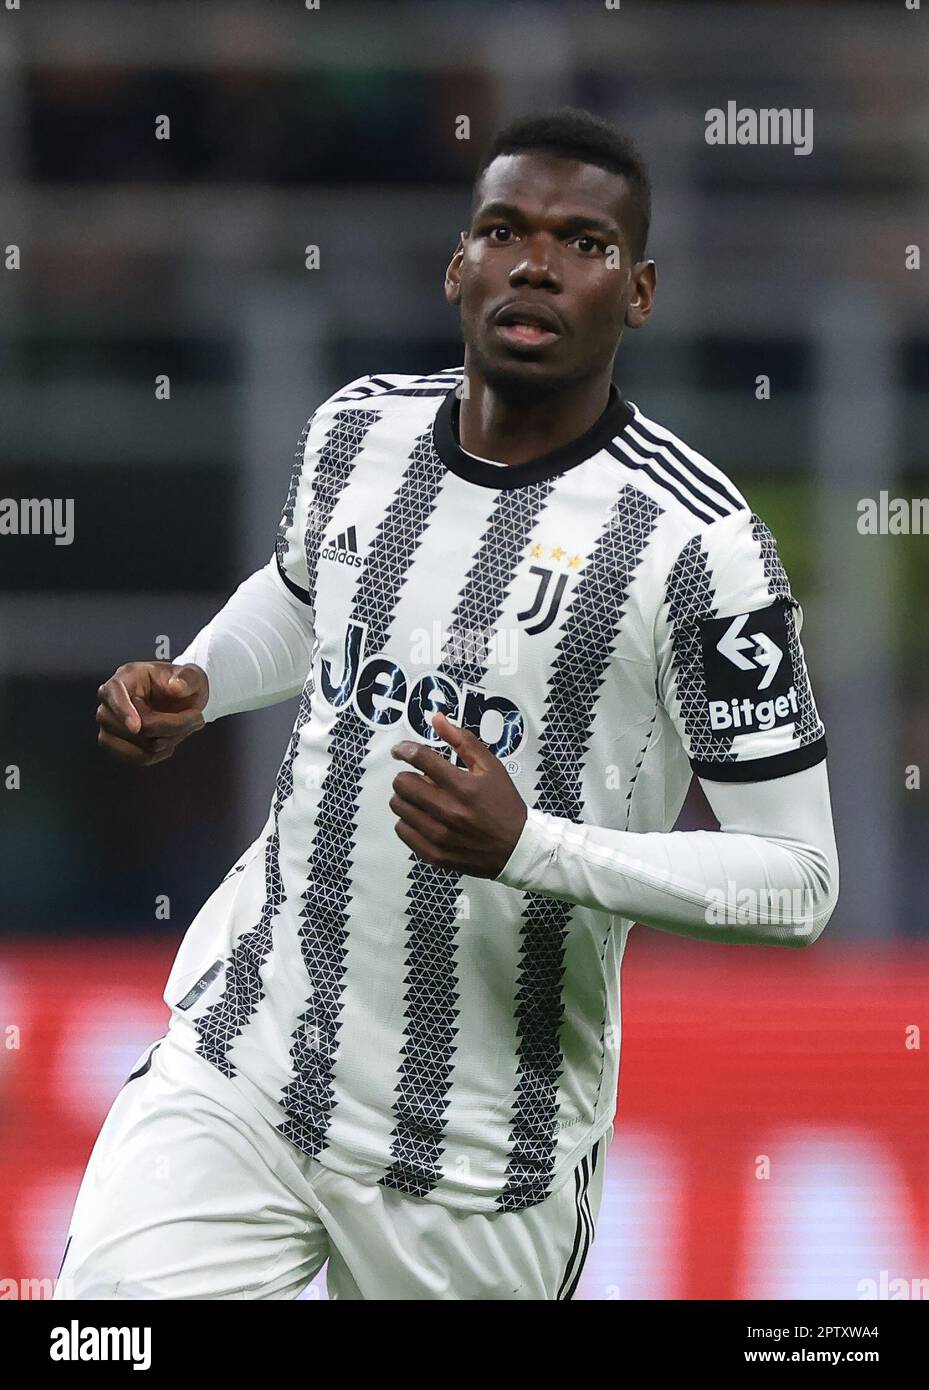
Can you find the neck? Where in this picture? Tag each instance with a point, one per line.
(514, 430)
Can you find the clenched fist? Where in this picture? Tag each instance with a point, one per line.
(148, 707)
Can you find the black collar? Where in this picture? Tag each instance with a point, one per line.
(615, 418)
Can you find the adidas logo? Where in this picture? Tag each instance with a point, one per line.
(344, 549)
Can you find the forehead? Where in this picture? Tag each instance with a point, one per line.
(551, 186)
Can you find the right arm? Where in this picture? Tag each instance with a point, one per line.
(256, 651)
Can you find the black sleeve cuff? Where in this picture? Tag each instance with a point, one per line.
(763, 769)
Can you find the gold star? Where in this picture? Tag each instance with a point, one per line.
(557, 553)
(536, 552)
(575, 561)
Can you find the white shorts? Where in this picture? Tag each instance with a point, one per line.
(191, 1194)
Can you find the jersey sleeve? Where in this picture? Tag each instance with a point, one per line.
(776, 841)
(731, 669)
(297, 517)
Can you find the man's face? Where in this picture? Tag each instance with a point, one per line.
(543, 277)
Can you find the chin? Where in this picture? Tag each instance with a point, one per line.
(520, 378)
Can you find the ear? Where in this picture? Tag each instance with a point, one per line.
(453, 273)
(642, 294)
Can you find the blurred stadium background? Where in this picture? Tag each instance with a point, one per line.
(185, 257)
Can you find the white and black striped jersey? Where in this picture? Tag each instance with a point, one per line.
(608, 618)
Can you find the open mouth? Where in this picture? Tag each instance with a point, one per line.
(526, 334)
(526, 325)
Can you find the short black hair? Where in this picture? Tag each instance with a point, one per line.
(576, 134)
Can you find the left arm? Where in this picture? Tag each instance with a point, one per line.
(737, 690)
(769, 875)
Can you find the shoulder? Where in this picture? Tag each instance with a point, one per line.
(707, 526)
(362, 402)
(381, 386)
(691, 490)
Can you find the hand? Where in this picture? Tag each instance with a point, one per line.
(148, 707)
(465, 819)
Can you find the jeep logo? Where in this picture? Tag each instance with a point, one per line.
(381, 693)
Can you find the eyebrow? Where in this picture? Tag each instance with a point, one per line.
(570, 222)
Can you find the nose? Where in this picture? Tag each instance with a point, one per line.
(537, 267)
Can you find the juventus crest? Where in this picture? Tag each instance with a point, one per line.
(546, 601)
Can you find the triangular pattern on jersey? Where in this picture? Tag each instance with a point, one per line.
(429, 1047)
(310, 1097)
(225, 1019)
(440, 1034)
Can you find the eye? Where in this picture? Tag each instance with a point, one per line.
(588, 244)
(500, 227)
